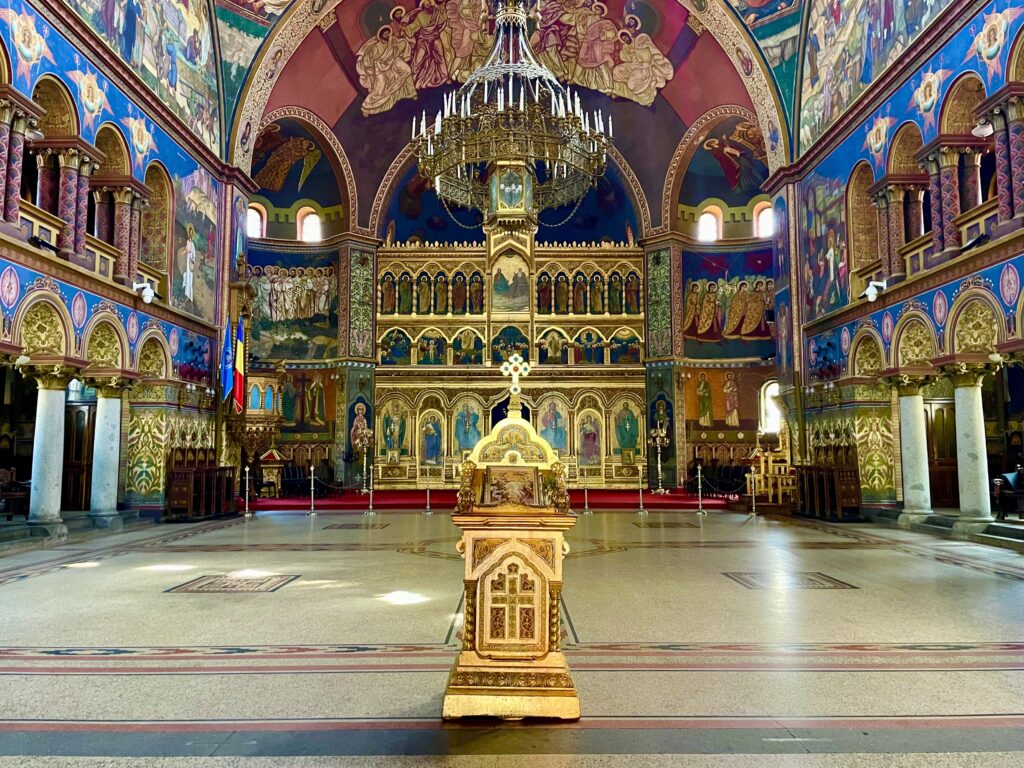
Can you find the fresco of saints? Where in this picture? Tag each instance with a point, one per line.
(755, 326)
(626, 429)
(467, 43)
(387, 295)
(704, 416)
(467, 428)
(632, 294)
(382, 64)
(459, 294)
(555, 40)
(476, 294)
(405, 295)
(424, 27)
(359, 425)
(316, 403)
(441, 295)
(643, 69)
(188, 276)
(562, 295)
(615, 295)
(579, 296)
(544, 294)
(709, 321)
(590, 442)
(553, 427)
(423, 296)
(737, 312)
(732, 400)
(599, 40)
(394, 430)
(597, 295)
(431, 443)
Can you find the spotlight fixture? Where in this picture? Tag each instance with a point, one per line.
(43, 245)
(34, 134)
(983, 129)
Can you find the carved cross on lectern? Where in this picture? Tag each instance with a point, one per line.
(515, 367)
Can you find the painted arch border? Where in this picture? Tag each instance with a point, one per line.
(717, 17)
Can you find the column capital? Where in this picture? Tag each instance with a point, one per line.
(55, 376)
(907, 385)
(966, 374)
(109, 386)
(948, 157)
(895, 193)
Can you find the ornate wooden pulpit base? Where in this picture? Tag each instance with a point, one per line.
(513, 510)
(511, 665)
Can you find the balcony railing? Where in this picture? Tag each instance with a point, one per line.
(915, 254)
(978, 221)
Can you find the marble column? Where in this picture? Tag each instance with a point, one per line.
(915, 212)
(47, 182)
(949, 159)
(106, 458)
(1004, 178)
(103, 229)
(15, 164)
(67, 201)
(1015, 130)
(122, 233)
(971, 454)
(897, 232)
(135, 237)
(935, 198)
(48, 457)
(917, 496)
(6, 118)
(970, 181)
(82, 208)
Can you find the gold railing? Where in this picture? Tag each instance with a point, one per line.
(101, 257)
(41, 224)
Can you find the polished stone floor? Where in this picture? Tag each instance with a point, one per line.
(719, 641)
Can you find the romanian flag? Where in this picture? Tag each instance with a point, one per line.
(239, 386)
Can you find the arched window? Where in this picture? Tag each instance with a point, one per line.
(309, 227)
(764, 220)
(709, 225)
(255, 221)
(771, 415)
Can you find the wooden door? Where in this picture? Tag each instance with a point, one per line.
(940, 420)
(79, 424)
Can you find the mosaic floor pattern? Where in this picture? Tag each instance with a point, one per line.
(720, 641)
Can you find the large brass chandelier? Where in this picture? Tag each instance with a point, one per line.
(512, 132)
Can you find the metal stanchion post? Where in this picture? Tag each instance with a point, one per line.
(312, 492)
(427, 510)
(369, 509)
(586, 495)
(700, 493)
(247, 512)
(640, 475)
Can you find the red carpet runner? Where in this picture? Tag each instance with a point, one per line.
(444, 501)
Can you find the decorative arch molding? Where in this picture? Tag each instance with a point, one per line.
(684, 153)
(716, 16)
(145, 361)
(398, 167)
(158, 218)
(35, 317)
(905, 144)
(1015, 61)
(867, 355)
(956, 115)
(60, 118)
(339, 159)
(5, 65)
(640, 205)
(98, 349)
(111, 142)
(914, 341)
(974, 323)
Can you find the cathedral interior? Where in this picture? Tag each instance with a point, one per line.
(288, 287)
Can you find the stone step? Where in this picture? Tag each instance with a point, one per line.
(1006, 542)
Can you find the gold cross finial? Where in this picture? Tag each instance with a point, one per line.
(515, 367)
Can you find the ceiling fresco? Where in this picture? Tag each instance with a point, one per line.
(392, 51)
(289, 164)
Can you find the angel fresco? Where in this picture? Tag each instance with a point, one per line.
(439, 41)
(279, 154)
(30, 46)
